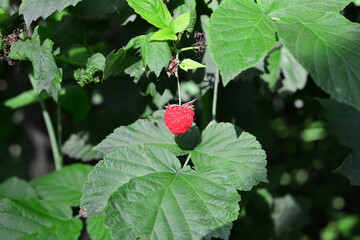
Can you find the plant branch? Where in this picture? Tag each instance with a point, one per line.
(216, 87)
(191, 48)
(50, 128)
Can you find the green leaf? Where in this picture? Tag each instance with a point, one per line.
(295, 75)
(181, 23)
(328, 46)
(22, 100)
(145, 132)
(117, 61)
(356, 2)
(32, 10)
(164, 34)
(183, 205)
(343, 122)
(234, 152)
(94, 64)
(47, 74)
(153, 11)
(272, 74)
(286, 8)
(20, 219)
(350, 168)
(155, 55)
(64, 185)
(187, 64)
(188, 6)
(70, 229)
(17, 189)
(96, 229)
(240, 34)
(119, 167)
(77, 147)
(76, 101)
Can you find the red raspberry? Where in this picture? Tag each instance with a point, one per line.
(179, 118)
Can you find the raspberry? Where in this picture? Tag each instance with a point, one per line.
(179, 118)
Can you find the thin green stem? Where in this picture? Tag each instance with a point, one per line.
(59, 125)
(190, 48)
(69, 61)
(187, 160)
(50, 128)
(216, 87)
(179, 88)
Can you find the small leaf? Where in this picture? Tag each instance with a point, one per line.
(47, 75)
(32, 10)
(77, 147)
(119, 167)
(144, 132)
(181, 23)
(188, 6)
(240, 34)
(203, 202)
(23, 99)
(96, 63)
(64, 185)
(273, 69)
(350, 168)
(35, 218)
(164, 34)
(235, 152)
(17, 189)
(187, 64)
(295, 75)
(96, 229)
(153, 11)
(155, 55)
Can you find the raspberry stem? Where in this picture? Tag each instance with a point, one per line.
(216, 87)
(187, 160)
(179, 89)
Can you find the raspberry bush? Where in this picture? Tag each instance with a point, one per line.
(132, 161)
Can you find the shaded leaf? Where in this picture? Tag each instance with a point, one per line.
(119, 167)
(240, 34)
(32, 10)
(63, 186)
(117, 61)
(36, 218)
(183, 205)
(144, 132)
(328, 46)
(235, 152)
(96, 63)
(350, 168)
(153, 11)
(96, 229)
(77, 147)
(17, 189)
(272, 72)
(47, 76)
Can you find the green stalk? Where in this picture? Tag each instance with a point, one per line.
(50, 128)
(187, 160)
(190, 48)
(179, 89)
(216, 87)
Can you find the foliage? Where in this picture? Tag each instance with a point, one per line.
(102, 72)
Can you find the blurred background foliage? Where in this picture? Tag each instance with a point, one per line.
(304, 198)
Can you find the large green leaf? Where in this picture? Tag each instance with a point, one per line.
(119, 167)
(155, 55)
(77, 147)
(240, 34)
(32, 10)
(37, 219)
(148, 132)
(183, 205)
(47, 76)
(96, 229)
(17, 189)
(64, 185)
(235, 152)
(343, 122)
(328, 46)
(283, 8)
(153, 11)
